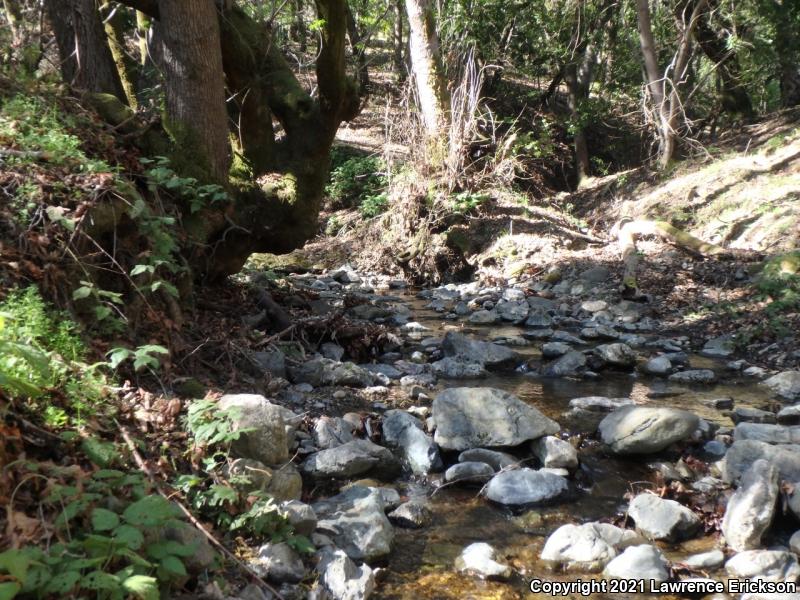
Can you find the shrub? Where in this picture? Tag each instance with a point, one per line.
(355, 181)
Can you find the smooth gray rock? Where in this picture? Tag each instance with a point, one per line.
(704, 376)
(273, 362)
(300, 516)
(616, 355)
(515, 312)
(785, 384)
(413, 514)
(765, 565)
(789, 415)
(638, 562)
(719, 347)
(330, 432)
(484, 317)
(355, 521)
(451, 368)
(332, 351)
(661, 519)
(594, 306)
(476, 417)
(599, 404)
(599, 332)
(751, 508)
(705, 560)
(586, 548)
(556, 453)
(279, 563)
(539, 320)
(497, 460)
(764, 432)
(324, 371)
(552, 350)
(491, 356)
(646, 429)
(571, 364)
(469, 472)
(745, 414)
(743, 453)
(479, 559)
(417, 449)
(341, 579)
(358, 457)
(263, 428)
(658, 365)
(525, 486)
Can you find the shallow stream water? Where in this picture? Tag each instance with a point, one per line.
(421, 564)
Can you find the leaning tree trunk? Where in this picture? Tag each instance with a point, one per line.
(115, 21)
(194, 83)
(427, 68)
(85, 58)
(398, 43)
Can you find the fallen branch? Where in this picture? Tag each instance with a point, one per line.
(148, 472)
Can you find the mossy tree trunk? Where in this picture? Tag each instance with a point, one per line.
(116, 21)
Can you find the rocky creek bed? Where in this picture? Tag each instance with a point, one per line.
(502, 434)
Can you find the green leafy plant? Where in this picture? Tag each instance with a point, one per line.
(466, 202)
(144, 357)
(161, 174)
(356, 181)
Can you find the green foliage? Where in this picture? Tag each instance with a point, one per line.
(188, 189)
(358, 181)
(466, 202)
(144, 357)
(41, 349)
(210, 425)
(108, 541)
(779, 282)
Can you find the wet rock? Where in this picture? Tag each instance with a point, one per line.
(638, 562)
(537, 334)
(765, 565)
(491, 356)
(542, 305)
(262, 425)
(616, 355)
(478, 559)
(525, 486)
(475, 417)
(744, 414)
(718, 347)
(599, 332)
(585, 548)
(355, 521)
(358, 457)
(661, 519)
(704, 376)
(571, 364)
(300, 516)
(789, 415)
(330, 432)
(552, 350)
(751, 508)
(568, 338)
(497, 460)
(785, 384)
(743, 453)
(599, 404)
(452, 368)
(279, 563)
(484, 317)
(771, 434)
(646, 429)
(658, 366)
(539, 320)
(705, 560)
(515, 312)
(556, 453)
(720, 403)
(413, 514)
(340, 578)
(469, 472)
(417, 449)
(324, 371)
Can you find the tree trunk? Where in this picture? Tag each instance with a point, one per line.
(576, 95)
(115, 21)
(298, 29)
(85, 58)
(14, 18)
(194, 84)
(426, 65)
(358, 51)
(399, 44)
(787, 49)
(142, 30)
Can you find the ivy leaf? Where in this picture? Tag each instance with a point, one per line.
(129, 536)
(63, 583)
(161, 550)
(9, 590)
(150, 511)
(100, 581)
(104, 520)
(173, 566)
(117, 356)
(141, 586)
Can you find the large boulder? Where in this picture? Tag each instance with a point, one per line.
(450, 367)
(743, 453)
(764, 565)
(569, 365)
(785, 384)
(766, 432)
(279, 563)
(324, 371)
(751, 508)
(525, 486)
(497, 460)
(356, 522)
(359, 457)
(555, 453)
(262, 425)
(487, 354)
(646, 429)
(330, 432)
(661, 519)
(477, 417)
(586, 548)
(616, 355)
